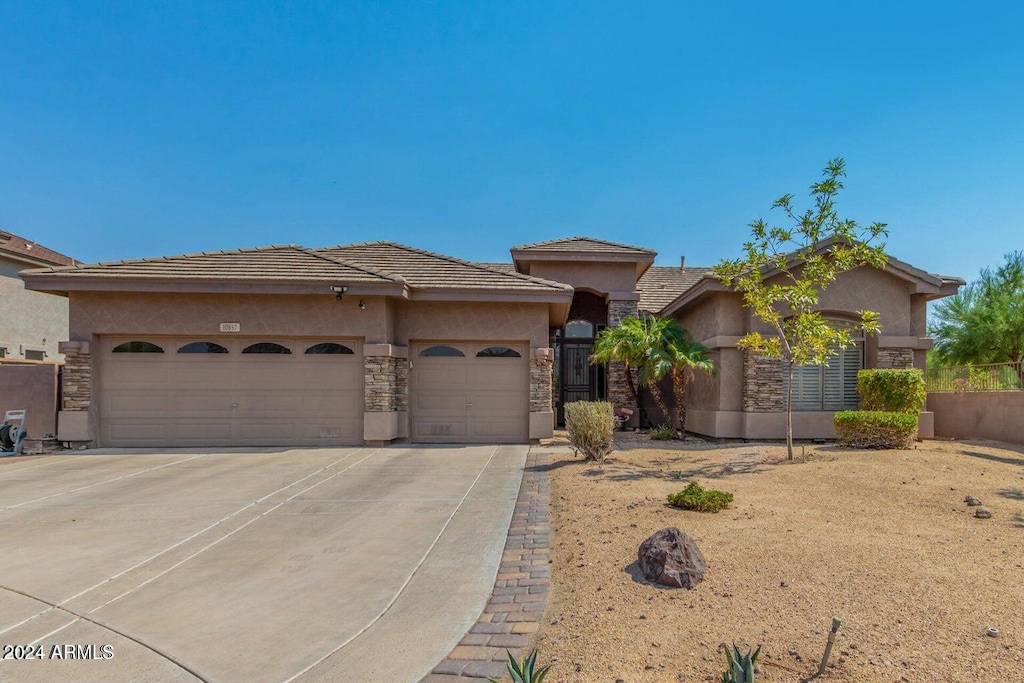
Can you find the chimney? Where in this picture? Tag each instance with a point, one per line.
(682, 261)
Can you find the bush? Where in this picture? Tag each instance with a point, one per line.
(896, 391)
(590, 425)
(875, 429)
(663, 433)
(696, 497)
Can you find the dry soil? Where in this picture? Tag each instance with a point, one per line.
(881, 539)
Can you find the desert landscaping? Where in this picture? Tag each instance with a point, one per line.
(881, 539)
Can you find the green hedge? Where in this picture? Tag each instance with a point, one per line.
(875, 429)
(897, 391)
(590, 425)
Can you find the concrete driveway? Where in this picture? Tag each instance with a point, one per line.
(264, 565)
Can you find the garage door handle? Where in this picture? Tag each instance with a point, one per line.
(468, 404)
(234, 405)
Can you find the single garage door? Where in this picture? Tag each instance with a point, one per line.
(230, 392)
(470, 392)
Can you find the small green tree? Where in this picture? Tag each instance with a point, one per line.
(984, 322)
(785, 269)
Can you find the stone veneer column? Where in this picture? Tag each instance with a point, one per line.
(542, 414)
(618, 389)
(76, 392)
(896, 358)
(386, 393)
(762, 384)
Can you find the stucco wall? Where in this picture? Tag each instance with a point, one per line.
(429, 320)
(35, 320)
(201, 314)
(590, 275)
(992, 415)
(31, 387)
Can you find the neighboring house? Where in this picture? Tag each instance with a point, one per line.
(372, 342)
(33, 323)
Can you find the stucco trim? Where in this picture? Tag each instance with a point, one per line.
(905, 342)
(387, 350)
(721, 342)
(58, 284)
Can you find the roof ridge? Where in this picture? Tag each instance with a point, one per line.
(562, 240)
(453, 259)
(394, 277)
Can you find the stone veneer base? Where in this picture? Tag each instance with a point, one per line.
(516, 607)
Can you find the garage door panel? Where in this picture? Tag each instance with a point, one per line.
(196, 399)
(470, 398)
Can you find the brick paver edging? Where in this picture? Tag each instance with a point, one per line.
(516, 607)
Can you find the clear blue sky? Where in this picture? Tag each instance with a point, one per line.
(143, 129)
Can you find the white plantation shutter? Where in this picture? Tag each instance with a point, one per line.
(830, 387)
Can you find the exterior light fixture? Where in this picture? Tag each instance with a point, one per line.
(339, 291)
(362, 305)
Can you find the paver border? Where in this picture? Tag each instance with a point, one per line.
(516, 606)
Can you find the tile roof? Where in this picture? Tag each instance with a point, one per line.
(274, 263)
(23, 248)
(660, 285)
(503, 267)
(428, 270)
(587, 244)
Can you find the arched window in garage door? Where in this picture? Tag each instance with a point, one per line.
(329, 348)
(448, 351)
(266, 347)
(202, 347)
(499, 352)
(137, 347)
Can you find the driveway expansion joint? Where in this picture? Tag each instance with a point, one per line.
(516, 607)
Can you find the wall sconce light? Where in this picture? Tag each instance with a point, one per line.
(362, 305)
(339, 291)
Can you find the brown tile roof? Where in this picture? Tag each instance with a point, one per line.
(503, 267)
(428, 270)
(274, 263)
(660, 285)
(587, 244)
(20, 247)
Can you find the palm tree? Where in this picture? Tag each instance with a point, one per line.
(627, 344)
(685, 357)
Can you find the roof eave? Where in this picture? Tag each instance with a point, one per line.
(553, 296)
(57, 283)
(703, 286)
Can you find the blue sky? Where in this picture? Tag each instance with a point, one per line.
(142, 129)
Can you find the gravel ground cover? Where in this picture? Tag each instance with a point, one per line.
(881, 539)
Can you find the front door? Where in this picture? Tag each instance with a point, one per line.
(578, 379)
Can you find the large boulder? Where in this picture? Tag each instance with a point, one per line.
(671, 558)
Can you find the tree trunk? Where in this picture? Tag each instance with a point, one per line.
(631, 385)
(679, 394)
(659, 399)
(789, 413)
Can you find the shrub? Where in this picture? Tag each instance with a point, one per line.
(896, 391)
(525, 672)
(663, 433)
(696, 497)
(875, 429)
(590, 425)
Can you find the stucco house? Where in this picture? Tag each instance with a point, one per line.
(33, 322)
(373, 342)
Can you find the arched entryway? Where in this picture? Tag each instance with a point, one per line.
(575, 378)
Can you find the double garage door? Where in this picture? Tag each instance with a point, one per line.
(469, 392)
(231, 392)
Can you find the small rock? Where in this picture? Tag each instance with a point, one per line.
(982, 513)
(992, 633)
(783, 585)
(971, 501)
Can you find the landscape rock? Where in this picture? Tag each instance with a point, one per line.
(982, 513)
(972, 501)
(671, 558)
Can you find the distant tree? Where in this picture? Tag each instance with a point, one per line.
(785, 269)
(984, 322)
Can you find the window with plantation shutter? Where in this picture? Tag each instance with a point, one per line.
(830, 387)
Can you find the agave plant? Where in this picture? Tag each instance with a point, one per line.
(525, 672)
(741, 667)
